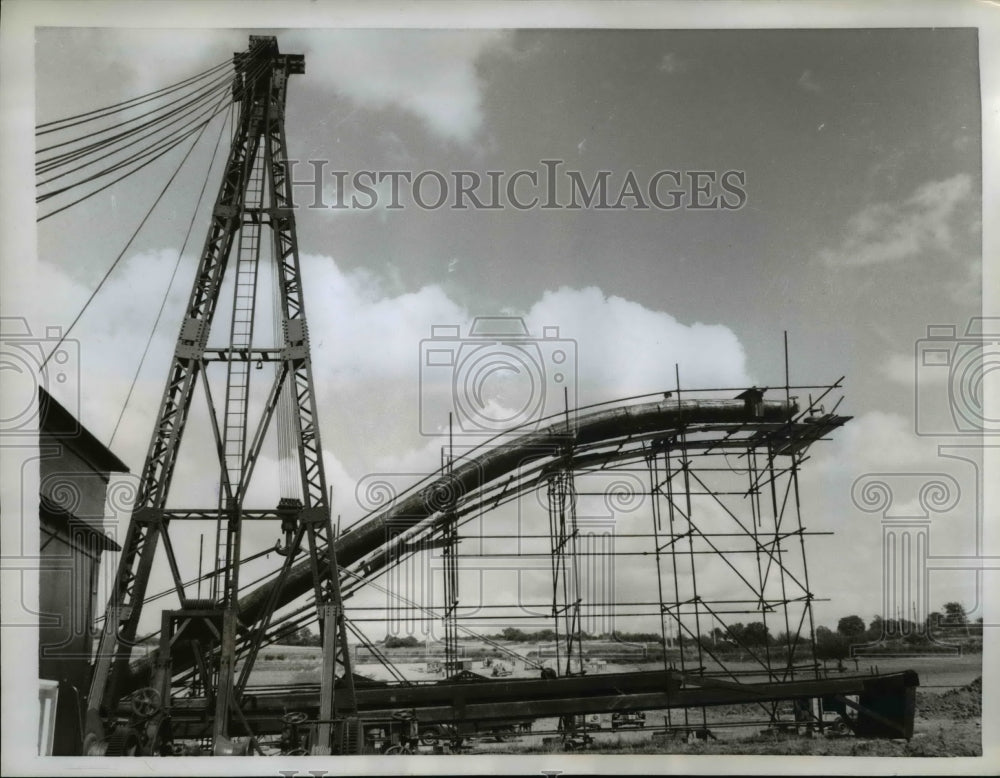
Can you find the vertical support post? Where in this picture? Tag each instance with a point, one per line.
(161, 676)
(791, 642)
(805, 568)
(675, 538)
(564, 533)
(449, 572)
(334, 704)
(227, 668)
(328, 614)
(686, 474)
(654, 497)
(753, 493)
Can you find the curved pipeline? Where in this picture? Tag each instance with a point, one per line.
(604, 425)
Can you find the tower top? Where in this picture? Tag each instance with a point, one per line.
(266, 47)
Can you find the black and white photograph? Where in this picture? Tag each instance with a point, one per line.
(442, 388)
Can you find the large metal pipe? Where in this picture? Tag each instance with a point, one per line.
(886, 703)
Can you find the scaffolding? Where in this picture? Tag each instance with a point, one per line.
(711, 512)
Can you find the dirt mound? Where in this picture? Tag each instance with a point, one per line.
(965, 702)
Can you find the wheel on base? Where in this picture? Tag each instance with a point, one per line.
(430, 736)
(145, 702)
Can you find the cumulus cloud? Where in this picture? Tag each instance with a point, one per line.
(430, 74)
(624, 348)
(889, 232)
(875, 440)
(374, 347)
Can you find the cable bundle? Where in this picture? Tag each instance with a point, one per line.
(78, 153)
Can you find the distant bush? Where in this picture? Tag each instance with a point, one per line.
(408, 642)
(301, 637)
(831, 645)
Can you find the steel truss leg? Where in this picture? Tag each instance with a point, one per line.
(253, 193)
(566, 596)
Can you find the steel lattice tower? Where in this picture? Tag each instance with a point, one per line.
(254, 202)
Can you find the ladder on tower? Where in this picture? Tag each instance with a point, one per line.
(238, 370)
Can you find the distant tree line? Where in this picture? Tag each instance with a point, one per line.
(515, 635)
(949, 623)
(391, 641)
(851, 630)
(302, 637)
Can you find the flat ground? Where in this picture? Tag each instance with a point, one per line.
(948, 719)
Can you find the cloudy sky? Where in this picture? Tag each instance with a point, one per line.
(859, 156)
